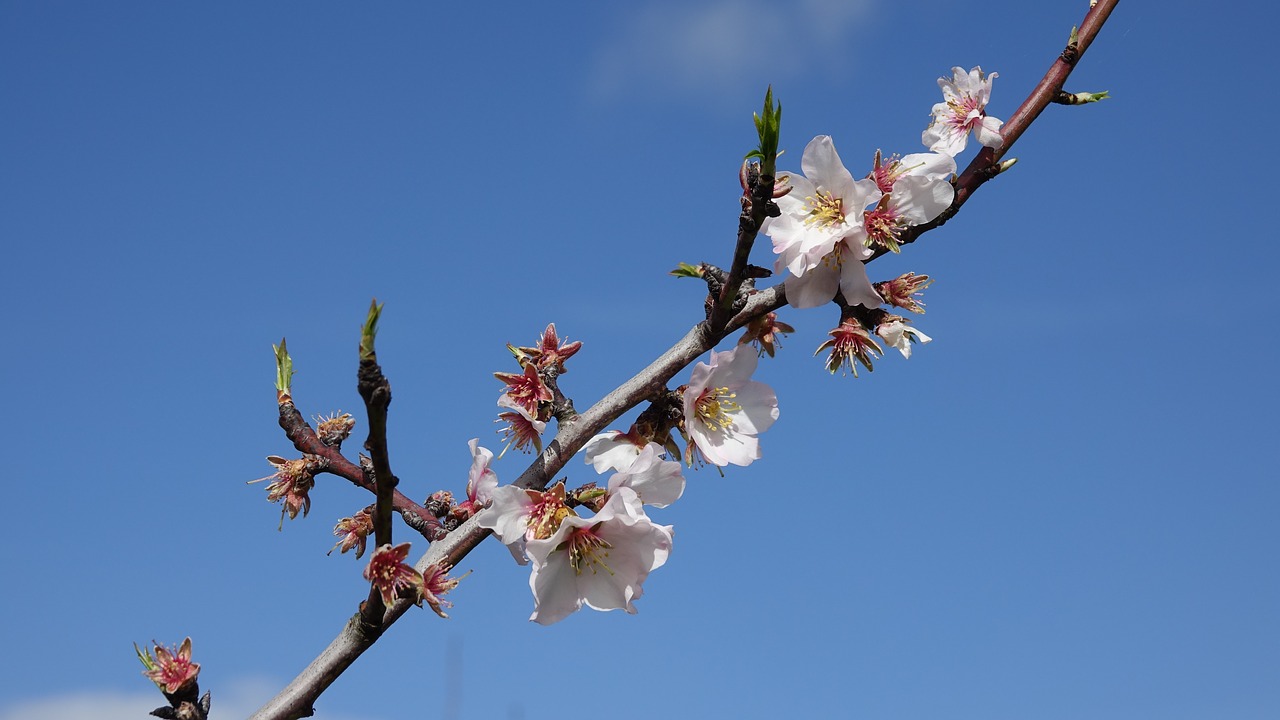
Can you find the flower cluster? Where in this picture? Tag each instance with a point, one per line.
(527, 397)
(599, 561)
(393, 578)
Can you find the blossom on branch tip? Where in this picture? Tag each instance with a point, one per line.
(900, 335)
(763, 332)
(170, 670)
(724, 409)
(820, 234)
(903, 290)
(389, 573)
(353, 532)
(335, 428)
(849, 344)
(524, 390)
(963, 108)
(550, 352)
(601, 562)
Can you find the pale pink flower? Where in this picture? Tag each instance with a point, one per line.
(820, 237)
(724, 409)
(601, 562)
(963, 108)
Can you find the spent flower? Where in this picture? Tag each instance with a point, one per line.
(353, 532)
(898, 334)
(389, 573)
(850, 344)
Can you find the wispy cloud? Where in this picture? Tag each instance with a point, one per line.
(721, 46)
(240, 699)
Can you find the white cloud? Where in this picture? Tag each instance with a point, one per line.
(239, 700)
(721, 46)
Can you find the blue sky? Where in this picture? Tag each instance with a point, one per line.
(1063, 507)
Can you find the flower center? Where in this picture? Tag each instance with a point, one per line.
(965, 111)
(546, 516)
(825, 209)
(713, 408)
(883, 225)
(588, 551)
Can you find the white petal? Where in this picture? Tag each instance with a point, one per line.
(817, 287)
(856, 287)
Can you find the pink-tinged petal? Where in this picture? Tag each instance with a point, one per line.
(988, 132)
(481, 480)
(721, 450)
(733, 368)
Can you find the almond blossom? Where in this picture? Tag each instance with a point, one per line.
(724, 409)
(820, 236)
(916, 190)
(601, 562)
(963, 108)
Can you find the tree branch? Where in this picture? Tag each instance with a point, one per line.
(296, 699)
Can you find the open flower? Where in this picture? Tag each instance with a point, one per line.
(600, 561)
(820, 235)
(963, 108)
(170, 670)
(916, 190)
(724, 409)
(517, 515)
(390, 574)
